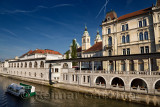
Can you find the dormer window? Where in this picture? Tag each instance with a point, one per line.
(108, 18)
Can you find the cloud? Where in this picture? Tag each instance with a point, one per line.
(103, 7)
(8, 31)
(34, 10)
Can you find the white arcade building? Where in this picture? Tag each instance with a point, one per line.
(33, 65)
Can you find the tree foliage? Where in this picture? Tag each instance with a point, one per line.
(74, 51)
(67, 54)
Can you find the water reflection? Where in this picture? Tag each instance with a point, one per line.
(52, 97)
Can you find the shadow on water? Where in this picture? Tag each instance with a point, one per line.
(52, 97)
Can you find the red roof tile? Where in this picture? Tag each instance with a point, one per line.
(42, 52)
(96, 47)
(139, 12)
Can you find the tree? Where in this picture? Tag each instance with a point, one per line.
(74, 51)
(67, 54)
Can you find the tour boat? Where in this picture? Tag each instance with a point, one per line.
(21, 90)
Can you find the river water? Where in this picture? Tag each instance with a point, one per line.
(52, 97)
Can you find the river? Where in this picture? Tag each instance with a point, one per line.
(52, 97)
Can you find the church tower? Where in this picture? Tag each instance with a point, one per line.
(85, 40)
(98, 38)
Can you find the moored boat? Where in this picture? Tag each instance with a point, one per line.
(21, 90)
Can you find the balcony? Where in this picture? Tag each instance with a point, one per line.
(106, 47)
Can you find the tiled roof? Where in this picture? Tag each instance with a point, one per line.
(42, 52)
(139, 12)
(96, 47)
(79, 49)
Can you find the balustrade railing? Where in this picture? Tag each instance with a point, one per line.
(120, 72)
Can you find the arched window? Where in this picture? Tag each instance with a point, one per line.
(109, 30)
(41, 75)
(110, 41)
(14, 64)
(127, 39)
(25, 64)
(29, 73)
(140, 23)
(21, 65)
(146, 35)
(88, 40)
(35, 64)
(140, 36)
(42, 64)
(30, 64)
(65, 65)
(123, 39)
(83, 40)
(18, 65)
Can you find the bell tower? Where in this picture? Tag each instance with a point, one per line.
(85, 40)
(98, 38)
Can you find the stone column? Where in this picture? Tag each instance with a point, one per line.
(115, 65)
(127, 65)
(158, 64)
(80, 66)
(136, 65)
(149, 64)
(92, 66)
(146, 64)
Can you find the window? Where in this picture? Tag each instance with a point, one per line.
(76, 77)
(140, 23)
(30, 64)
(109, 52)
(146, 35)
(126, 26)
(83, 40)
(144, 22)
(56, 70)
(66, 77)
(124, 51)
(128, 51)
(140, 36)
(123, 28)
(123, 39)
(42, 64)
(147, 49)
(109, 30)
(110, 41)
(73, 77)
(35, 64)
(84, 78)
(21, 65)
(142, 50)
(127, 39)
(88, 40)
(88, 78)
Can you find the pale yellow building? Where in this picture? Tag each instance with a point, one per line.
(133, 33)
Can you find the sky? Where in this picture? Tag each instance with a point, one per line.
(53, 24)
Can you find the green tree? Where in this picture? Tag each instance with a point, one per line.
(67, 54)
(74, 51)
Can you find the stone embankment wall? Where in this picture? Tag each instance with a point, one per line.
(148, 99)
